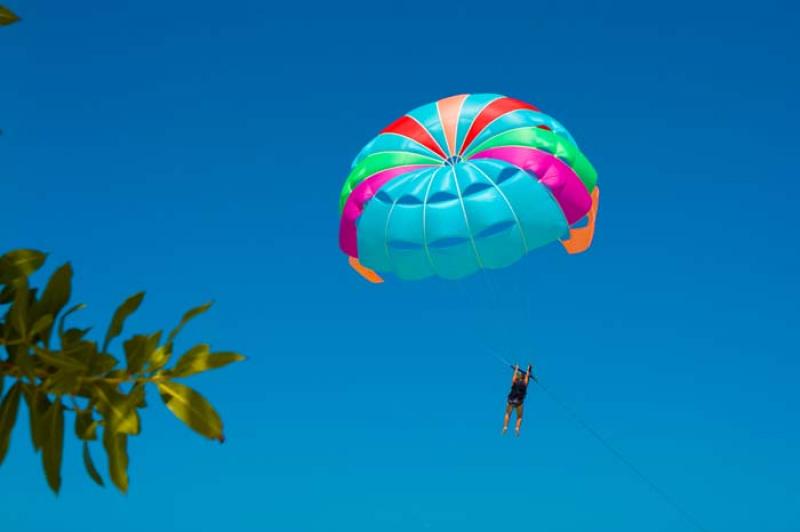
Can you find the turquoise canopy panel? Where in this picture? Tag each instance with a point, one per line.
(454, 220)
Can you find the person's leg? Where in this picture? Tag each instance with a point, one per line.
(519, 420)
(507, 417)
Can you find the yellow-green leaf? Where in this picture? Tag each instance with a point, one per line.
(7, 16)
(187, 317)
(192, 353)
(8, 417)
(119, 411)
(191, 408)
(138, 349)
(198, 360)
(116, 448)
(120, 315)
(159, 357)
(134, 348)
(89, 464)
(21, 262)
(132, 424)
(53, 444)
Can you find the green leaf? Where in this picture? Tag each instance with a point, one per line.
(6, 295)
(21, 262)
(56, 294)
(57, 291)
(120, 315)
(7, 16)
(76, 308)
(62, 382)
(187, 317)
(89, 464)
(53, 358)
(85, 425)
(24, 361)
(18, 313)
(71, 337)
(8, 417)
(41, 325)
(53, 443)
(38, 404)
(81, 351)
(191, 408)
(198, 360)
(103, 363)
(116, 449)
(117, 374)
(136, 395)
(119, 411)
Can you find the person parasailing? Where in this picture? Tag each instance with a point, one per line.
(516, 397)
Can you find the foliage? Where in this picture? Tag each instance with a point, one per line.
(56, 370)
(7, 16)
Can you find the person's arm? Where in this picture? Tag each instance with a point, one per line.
(528, 374)
(516, 372)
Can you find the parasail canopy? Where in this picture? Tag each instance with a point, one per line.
(468, 182)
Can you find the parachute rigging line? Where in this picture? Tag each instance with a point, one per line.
(687, 517)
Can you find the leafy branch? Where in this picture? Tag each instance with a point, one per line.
(7, 16)
(77, 376)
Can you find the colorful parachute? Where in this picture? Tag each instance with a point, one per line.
(468, 182)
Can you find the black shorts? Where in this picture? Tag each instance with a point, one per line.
(515, 401)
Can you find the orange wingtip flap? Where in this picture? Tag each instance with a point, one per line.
(581, 238)
(364, 272)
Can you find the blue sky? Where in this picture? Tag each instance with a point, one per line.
(196, 150)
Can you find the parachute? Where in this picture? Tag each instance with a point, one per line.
(470, 182)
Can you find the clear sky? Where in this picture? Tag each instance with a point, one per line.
(196, 150)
